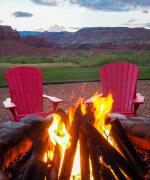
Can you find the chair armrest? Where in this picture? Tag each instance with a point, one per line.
(52, 99)
(11, 106)
(139, 99)
(55, 101)
(8, 104)
(90, 100)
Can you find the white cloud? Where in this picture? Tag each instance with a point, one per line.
(56, 28)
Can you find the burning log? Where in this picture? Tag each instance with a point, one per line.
(120, 137)
(36, 168)
(94, 156)
(67, 165)
(109, 160)
(106, 158)
(2, 176)
(84, 157)
(106, 172)
(54, 170)
(17, 138)
(137, 129)
(103, 144)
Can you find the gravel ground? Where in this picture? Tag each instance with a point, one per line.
(71, 91)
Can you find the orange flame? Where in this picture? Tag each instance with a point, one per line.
(102, 108)
(76, 165)
(58, 133)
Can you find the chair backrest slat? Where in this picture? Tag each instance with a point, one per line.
(120, 79)
(26, 89)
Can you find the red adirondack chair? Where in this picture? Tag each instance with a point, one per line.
(121, 80)
(26, 93)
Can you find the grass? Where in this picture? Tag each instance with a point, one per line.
(142, 59)
(75, 68)
(70, 74)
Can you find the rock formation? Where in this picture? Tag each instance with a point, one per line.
(7, 33)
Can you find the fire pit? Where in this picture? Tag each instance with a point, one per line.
(82, 144)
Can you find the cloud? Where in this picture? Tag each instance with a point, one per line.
(106, 5)
(75, 28)
(136, 24)
(147, 25)
(145, 11)
(20, 14)
(1, 21)
(112, 5)
(56, 28)
(49, 2)
(131, 21)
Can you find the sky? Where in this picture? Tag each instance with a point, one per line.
(72, 15)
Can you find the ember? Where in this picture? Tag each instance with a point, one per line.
(82, 144)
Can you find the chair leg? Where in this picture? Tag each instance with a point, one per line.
(13, 111)
(136, 107)
(55, 106)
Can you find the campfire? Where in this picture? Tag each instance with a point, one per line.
(82, 144)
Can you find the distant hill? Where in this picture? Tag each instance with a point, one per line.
(94, 36)
(12, 44)
(29, 33)
(86, 41)
(7, 33)
(97, 36)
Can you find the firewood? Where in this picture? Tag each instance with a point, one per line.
(36, 170)
(16, 138)
(35, 157)
(107, 158)
(137, 129)
(94, 156)
(54, 170)
(114, 166)
(106, 173)
(122, 140)
(3, 176)
(84, 157)
(67, 164)
(104, 145)
(14, 152)
(36, 167)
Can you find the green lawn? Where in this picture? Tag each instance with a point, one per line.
(75, 68)
(70, 74)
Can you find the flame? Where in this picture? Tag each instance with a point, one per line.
(102, 107)
(58, 133)
(71, 114)
(76, 165)
(48, 156)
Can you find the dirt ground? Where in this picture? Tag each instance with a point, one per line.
(71, 91)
